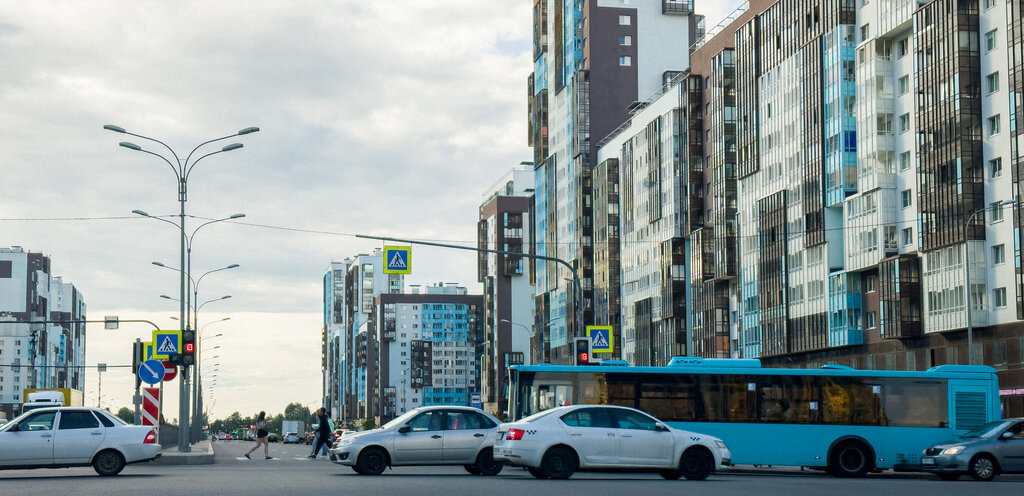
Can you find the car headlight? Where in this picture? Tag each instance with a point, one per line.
(721, 444)
(952, 450)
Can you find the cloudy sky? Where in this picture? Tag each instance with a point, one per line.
(377, 117)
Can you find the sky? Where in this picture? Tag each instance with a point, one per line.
(381, 117)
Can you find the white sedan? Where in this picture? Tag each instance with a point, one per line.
(557, 442)
(75, 436)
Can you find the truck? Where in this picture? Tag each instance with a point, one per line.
(296, 426)
(33, 398)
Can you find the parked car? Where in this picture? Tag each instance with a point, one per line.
(271, 438)
(994, 448)
(430, 435)
(338, 433)
(310, 436)
(291, 437)
(557, 442)
(58, 437)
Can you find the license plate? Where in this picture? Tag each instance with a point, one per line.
(927, 461)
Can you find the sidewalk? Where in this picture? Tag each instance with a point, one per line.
(201, 454)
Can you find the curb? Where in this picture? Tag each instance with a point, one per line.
(201, 454)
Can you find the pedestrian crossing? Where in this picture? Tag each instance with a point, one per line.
(274, 458)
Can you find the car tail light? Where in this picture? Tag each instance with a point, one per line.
(150, 438)
(514, 434)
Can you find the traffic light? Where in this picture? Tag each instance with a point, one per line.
(582, 351)
(188, 347)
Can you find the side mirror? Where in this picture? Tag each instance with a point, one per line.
(661, 427)
(403, 429)
(1006, 435)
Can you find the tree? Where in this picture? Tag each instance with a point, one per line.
(369, 423)
(125, 414)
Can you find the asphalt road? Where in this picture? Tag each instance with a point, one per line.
(291, 473)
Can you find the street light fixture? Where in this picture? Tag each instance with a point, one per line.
(967, 276)
(530, 332)
(182, 169)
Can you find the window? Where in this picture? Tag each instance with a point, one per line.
(625, 60)
(625, 40)
(865, 32)
(902, 47)
(589, 417)
(5, 269)
(998, 254)
(990, 40)
(904, 161)
(904, 85)
(997, 211)
(908, 235)
(904, 122)
(81, 419)
(869, 319)
(999, 297)
(869, 283)
(988, 4)
(628, 419)
(37, 422)
(427, 421)
(624, 20)
(995, 167)
(992, 82)
(993, 125)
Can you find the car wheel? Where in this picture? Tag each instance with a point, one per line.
(471, 469)
(948, 477)
(696, 463)
(982, 468)
(485, 463)
(108, 462)
(559, 463)
(536, 472)
(356, 469)
(372, 461)
(670, 474)
(850, 459)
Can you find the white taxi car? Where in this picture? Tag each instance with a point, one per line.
(557, 442)
(429, 435)
(75, 436)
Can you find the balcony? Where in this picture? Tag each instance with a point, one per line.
(677, 7)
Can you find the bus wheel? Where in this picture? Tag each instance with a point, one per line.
(696, 463)
(982, 468)
(849, 459)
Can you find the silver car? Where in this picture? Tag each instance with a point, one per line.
(994, 448)
(430, 435)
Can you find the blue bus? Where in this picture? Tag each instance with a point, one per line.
(837, 419)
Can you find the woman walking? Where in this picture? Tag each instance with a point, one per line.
(323, 432)
(261, 436)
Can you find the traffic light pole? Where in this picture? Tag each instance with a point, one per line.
(577, 288)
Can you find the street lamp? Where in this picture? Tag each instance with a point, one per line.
(967, 276)
(197, 400)
(182, 169)
(530, 333)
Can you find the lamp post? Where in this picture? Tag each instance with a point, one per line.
(182, 169)
(967, 277)
(529, 332)
(197, 400)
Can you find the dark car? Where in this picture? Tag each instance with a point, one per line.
(272, 438)
(994, 448)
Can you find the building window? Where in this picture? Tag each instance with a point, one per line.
(990, 40)
(865, 32)
(995, 167)
(988, 4)
(901, 47)
(997, 212)
(624, 20)
(904, 161)
(992, 82)
(869, 283)
(999, 297)
(906, 198)
(998, 254)
(993, 125)
(625, 60)
(908, 235)
(904, 85)
(869, 319)
(626, 40)
(904, 122)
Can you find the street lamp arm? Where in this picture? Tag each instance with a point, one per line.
(144, 214)
(176, 169)
(207, 142)
(194, 231)
(189, 167)
(119, 129)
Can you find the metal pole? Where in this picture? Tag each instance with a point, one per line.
(183, 403)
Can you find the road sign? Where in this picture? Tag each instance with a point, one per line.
(151, 406)
(147, 351)
(166, 343)
(474, 400)
(170, 371)
(151, 371)
(110, 322)
(600, 339)
(397, 259)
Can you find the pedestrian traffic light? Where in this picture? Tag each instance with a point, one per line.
(582, 351)
(175, 359)
(188, 347)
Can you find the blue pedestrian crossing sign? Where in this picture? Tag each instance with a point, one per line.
(600, 339)
(397, 259)
(165, 344)
(151, 371)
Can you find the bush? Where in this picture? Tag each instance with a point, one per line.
(368, 423)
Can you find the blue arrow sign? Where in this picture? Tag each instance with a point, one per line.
(151, 371)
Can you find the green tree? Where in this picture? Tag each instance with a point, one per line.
(125, 414)
(368, 423)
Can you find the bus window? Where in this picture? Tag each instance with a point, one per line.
(790, 399)
(851, 401)
(915, 403)
(669, 397)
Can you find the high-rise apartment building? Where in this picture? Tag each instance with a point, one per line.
(592, 61)
(42, 333)
(506, 218)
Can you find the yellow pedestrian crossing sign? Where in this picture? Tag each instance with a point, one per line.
(397, 259)
(165, 344)
(600, 339)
